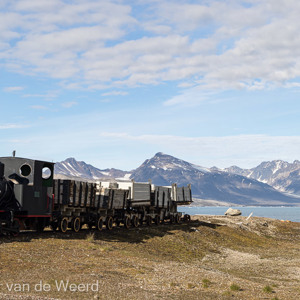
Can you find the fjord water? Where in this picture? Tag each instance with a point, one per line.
(280, 213)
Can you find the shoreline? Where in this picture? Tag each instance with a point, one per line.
(274, 212)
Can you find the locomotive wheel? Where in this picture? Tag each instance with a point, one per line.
(127, 222)
(177, 219)
(40, 225)
(63, 225)
(157, 220)
(109, 223)
(149, 221)
(54, 226)
(75, 224)
(135, 221)
(99, 224)
(16, 227)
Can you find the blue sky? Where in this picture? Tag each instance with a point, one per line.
(215, 83)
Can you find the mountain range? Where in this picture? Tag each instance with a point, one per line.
(71, 168)
(270, 183)
(281, 175)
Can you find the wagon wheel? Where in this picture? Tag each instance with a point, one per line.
(99, 225)
(187, 218)
(149, 221)
(157, 220)
(109, 223)
(63, 225)
(171, 219)
(141, 221)
(76, 224)
(127, 222)
(135, 221)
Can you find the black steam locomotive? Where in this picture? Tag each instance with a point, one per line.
(31, 199)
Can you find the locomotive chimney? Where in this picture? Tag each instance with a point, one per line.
(14, 153)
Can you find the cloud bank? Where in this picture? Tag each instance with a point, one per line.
(213, 45)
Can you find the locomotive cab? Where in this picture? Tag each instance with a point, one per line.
(33, 181)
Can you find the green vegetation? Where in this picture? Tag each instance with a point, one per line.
(191, 286)
(234, 287)
(90, 237)
(268, 289)
(206, 283)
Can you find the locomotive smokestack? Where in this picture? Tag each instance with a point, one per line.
(14, 153)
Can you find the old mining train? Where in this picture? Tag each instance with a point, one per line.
(31, 199)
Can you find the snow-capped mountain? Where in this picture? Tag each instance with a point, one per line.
(71, 168)
(165, 169)
(233, 185)
(279, 174)
(209, 184)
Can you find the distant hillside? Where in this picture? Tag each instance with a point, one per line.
(71, 168)
(233, 185)
(279, 174)
(212, 185)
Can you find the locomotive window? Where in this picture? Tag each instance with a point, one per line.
(25, 170)
(46, 173)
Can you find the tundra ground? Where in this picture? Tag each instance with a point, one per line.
(209, 258)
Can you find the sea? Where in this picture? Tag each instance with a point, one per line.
(280, 213)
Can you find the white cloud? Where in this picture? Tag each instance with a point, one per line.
(185, 16)
(100, 44)
(13, 88)
(189, 97)
(54, 34)
(48, 96)
(13, 126)
(37, 5)
(115, 93)
(39, 107)
(69, 104)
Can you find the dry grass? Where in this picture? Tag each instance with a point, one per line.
(164, 262)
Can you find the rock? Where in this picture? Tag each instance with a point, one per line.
(233, 212)
(194, 229)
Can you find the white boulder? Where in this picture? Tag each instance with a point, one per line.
(233, 212)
